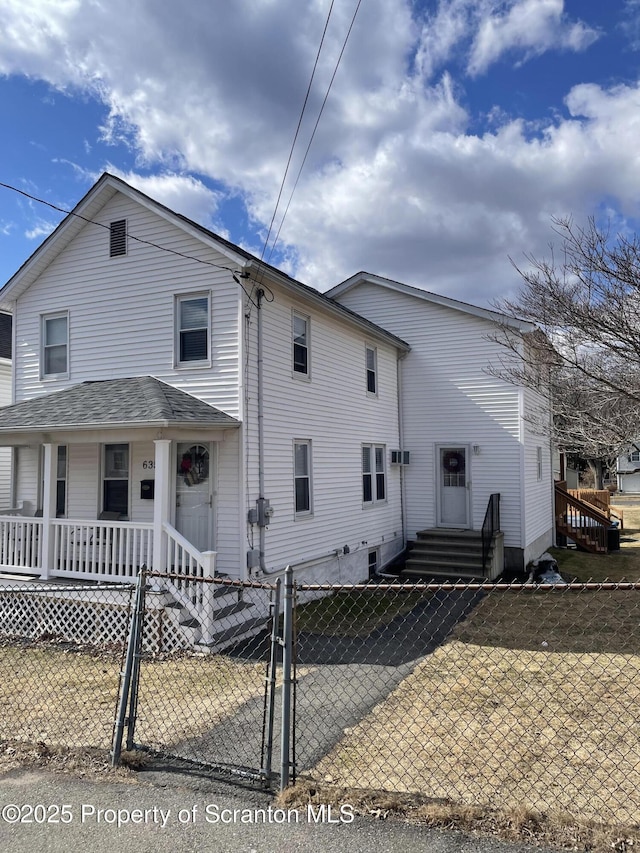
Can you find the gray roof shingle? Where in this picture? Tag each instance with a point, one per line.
(140, 401)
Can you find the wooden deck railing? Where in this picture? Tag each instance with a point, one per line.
(586, 525)
(600, 499)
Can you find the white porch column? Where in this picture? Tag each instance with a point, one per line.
(162, 500)
(50, 465)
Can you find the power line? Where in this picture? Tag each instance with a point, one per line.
(295, 136)
(130, 236)
(315, 127)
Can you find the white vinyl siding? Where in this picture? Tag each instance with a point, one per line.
(5, 452)
(450, 398)
(124, 326)
(334, 413)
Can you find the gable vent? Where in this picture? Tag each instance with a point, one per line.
(118, 238)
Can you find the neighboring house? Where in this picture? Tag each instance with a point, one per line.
(179, 404)
(469, 433)
(5, 399)
(628, 471)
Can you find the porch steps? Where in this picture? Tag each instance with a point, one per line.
(231, 602)
(446, 553)
(243, 631)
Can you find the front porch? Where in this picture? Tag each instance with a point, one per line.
(98, 501)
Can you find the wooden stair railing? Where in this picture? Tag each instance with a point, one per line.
(580, 521)
(600, 499)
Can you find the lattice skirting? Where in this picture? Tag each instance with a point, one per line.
(52, 615)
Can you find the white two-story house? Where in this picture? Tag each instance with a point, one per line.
(172, 392)
(180, 405)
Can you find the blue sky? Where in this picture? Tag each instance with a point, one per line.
(455, 130)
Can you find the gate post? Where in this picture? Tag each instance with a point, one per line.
(135, 630)
(287, 657)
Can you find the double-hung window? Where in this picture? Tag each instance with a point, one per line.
(115, 479)
(302, 476)
(374, 480)
(634, 456)
(372, 370)
(300, 332)
(192, 329)
(55, 344)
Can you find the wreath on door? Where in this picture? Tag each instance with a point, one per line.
(453, 462)
(194, 465)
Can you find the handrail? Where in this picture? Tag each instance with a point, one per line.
(582, 522)
(490, 526)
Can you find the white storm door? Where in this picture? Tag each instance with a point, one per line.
(453, 492)
(194, 494)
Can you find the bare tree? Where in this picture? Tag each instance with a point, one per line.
(585, 300)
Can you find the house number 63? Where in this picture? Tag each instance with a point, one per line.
(148, 463)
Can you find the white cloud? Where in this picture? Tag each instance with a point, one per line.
(530, 27)
(396, 182)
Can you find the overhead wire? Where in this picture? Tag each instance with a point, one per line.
(295, 136)
(315, 127)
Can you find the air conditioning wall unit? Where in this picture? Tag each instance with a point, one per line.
(399, 457)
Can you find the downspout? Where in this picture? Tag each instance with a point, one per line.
(403, 519)
(261, 498)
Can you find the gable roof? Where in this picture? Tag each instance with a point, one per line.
(241, 262)
(141, 401)
(427, 296)
(5, 335)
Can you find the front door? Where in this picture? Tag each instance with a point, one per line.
(453, 492)
(194, 494)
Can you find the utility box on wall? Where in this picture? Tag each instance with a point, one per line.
(147, 489)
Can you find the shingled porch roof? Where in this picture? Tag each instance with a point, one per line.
(142, 401)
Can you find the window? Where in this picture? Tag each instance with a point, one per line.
(372, 371)
(634, 456)
(539, 462)
(118, 238)
(301, 345)
(55, 345)
(373, 562)
(374, 485)
(302, 476)
(115, 489)
(61, 482)
(192, 328)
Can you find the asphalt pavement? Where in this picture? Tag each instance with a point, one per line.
(41, 812)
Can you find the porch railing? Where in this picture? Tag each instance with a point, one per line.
(188, 566)
(20, 543)
(490, 526)
(101, 550)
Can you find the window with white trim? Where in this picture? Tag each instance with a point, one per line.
(300, 342)
(55, 344)
(115, 479)
(302, 477)
(371, 359)
(634, 456)
(192, 329)
(374, 478)
(539, 462)
(118, 238)
(372, 559)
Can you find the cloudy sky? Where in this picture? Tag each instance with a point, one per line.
(453, 131)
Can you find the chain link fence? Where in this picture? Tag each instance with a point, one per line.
(486, 695)
(61, 654)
